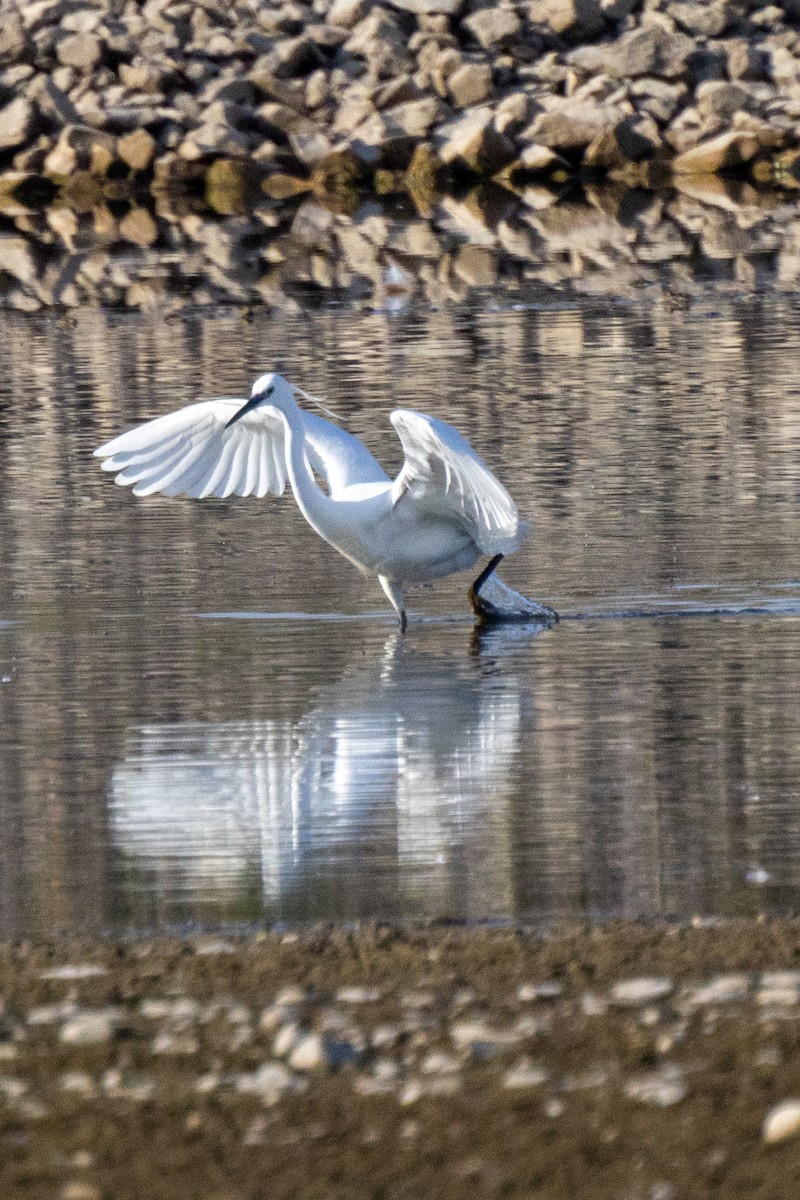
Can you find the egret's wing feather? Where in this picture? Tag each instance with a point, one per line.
(443, 470)
(340, 458)
(190, 452)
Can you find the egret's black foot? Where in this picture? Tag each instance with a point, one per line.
(501, 603)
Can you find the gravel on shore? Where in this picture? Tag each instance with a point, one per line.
(625, 1061)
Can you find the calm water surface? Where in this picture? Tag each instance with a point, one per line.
(208, 716)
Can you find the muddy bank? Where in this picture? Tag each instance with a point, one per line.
(624, 1061)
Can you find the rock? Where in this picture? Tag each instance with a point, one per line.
(572, 125)
(662, 1088)
(16, 255)
(347, 13)
(574, 20)
(650, 51)
(493, 27)
(548, 989)
(470, 84)
(81, 148)
(270, 1082)
(524, 1075)
(81, 50)
(53, 103)
(90, 1028)
(448, 8)
(630, 140)
(724, 989)
(782, 1122)
(726, 152)
(646, 989)
(138, 227)
(137, 149)
(710, 18)
(381, 41)
(71, 972)
(13, 40)
(476, 265)
(472, 141)
(17, 123)
(358, 995)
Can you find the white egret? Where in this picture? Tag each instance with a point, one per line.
(442, 513)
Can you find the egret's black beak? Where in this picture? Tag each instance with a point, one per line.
(252, 403)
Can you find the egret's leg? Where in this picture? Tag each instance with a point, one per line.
(475, 590)
(394, 594)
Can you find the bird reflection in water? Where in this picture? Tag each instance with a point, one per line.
(391, 796)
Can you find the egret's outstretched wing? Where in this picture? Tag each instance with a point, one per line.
(442, 469)
(190, 452)
(341, 459)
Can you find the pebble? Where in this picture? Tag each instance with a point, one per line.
(782, 1122)
(524, 1075)
(631, 993)
(548, 989)
(74, 972)
(271, 1082)
(724, 989)
(482, 1038)
(358, 995)
(662, 1088)
(90, 1028)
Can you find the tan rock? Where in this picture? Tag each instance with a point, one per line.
(729, 150)
(17, 122)
(138, 227)
(137, 149)
(493, 27)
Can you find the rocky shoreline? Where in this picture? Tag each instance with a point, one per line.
(244, 153)
(651, 1063)
(393, 94)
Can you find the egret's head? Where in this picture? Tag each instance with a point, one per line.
(270, 389)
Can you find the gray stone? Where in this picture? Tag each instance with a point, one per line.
(17, 123)
(381, 41)
(13, 41)
(493, 27)
(470, 84)
(710, 18)
(650, 51)
(572, 125)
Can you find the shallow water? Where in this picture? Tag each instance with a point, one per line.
(208, 716)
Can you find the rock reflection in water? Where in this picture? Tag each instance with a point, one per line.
(391, 793)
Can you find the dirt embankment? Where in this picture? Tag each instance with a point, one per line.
(618, 1062)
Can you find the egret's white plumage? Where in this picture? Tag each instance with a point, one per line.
(443, 511)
